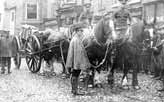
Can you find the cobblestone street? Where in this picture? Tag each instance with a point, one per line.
(23, 86)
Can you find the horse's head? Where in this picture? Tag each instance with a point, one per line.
(103, 31)
(149, 30)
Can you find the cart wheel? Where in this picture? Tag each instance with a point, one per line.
(17, 58)
(33, 58)
(33, 63)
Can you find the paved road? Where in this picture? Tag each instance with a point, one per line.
(23, 86)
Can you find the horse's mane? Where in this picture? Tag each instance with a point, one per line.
(102, 30)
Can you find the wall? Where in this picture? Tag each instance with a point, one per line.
(12, 21)
(100, 7)
(1, 14)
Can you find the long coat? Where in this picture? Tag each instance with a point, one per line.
(8, 48)
(77, 56)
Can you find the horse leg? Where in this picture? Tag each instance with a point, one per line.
(3, 62)
(124, 81)
(52, 67)
(65, 73)
(111, 75)
(134, 78)
(91, 78)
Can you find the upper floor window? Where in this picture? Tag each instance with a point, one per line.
(32, 11)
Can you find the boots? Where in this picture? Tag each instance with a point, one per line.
(74, 85)
(162, 89)
(86, 81)
(3, 70)
(9, 65)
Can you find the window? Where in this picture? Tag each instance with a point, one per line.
(32, 11)
(149, 13)
(160, 12)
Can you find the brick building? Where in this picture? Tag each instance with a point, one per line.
(29, 12)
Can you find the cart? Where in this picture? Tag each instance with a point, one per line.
(38, 46)
(21, 40)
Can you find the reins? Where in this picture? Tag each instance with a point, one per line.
(61, 51)
(103, 60)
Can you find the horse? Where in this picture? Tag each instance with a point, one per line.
(128, 52)
(99, 48)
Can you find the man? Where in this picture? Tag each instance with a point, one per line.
(77, 60)
(121, 20)
(121, 29)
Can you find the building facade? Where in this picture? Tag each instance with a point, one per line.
(154, 11)
(7, 18)
(50, 21)
(134, 6)
(100, 7)
(22, 12)
(70, 11)
(2, 14)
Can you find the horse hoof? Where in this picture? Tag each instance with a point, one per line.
(136, 87)
(125, 87)
(90, 86)
(65, 76)
(161, 90)
(53, 74)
